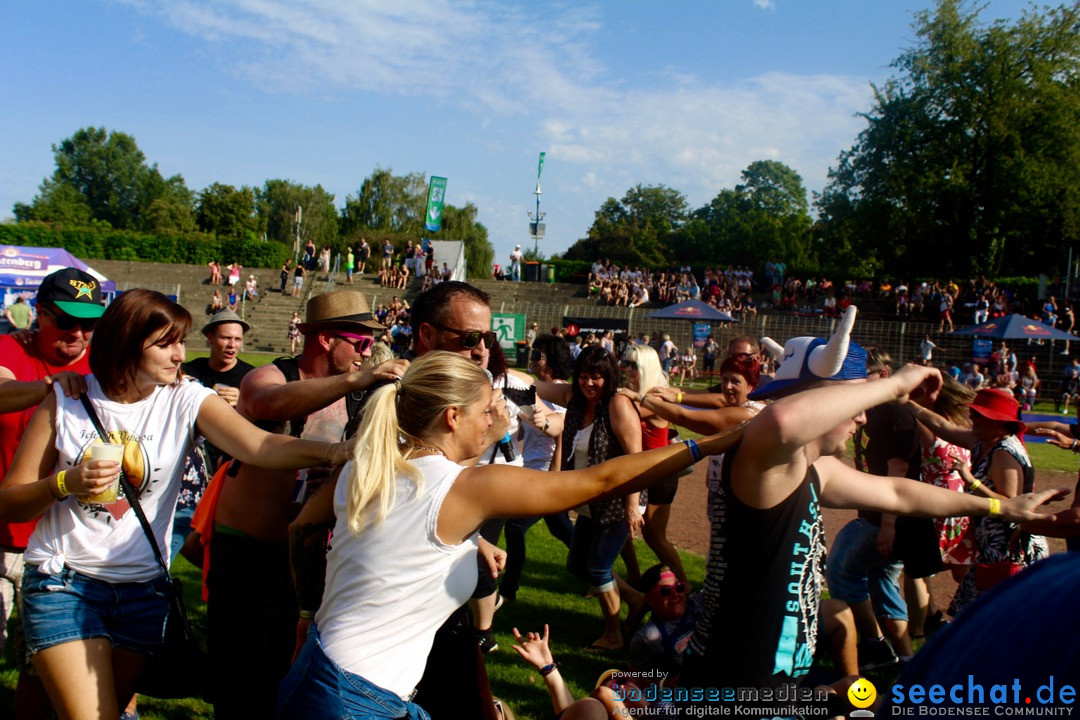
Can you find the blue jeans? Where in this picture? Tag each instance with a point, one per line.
(70, 606)
(593, 550)
(856, 571)
(558, 524)
(180, 530)
(317, 688)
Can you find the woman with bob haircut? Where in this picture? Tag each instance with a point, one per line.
(94, 598)
(1000, 469)
(405, 539)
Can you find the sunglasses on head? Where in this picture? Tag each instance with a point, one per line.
(536, 356)
(360, 343)
(629, 364)
(64, 321)
(666, 590)
(472, 338)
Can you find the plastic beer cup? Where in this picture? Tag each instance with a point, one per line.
(107, 451)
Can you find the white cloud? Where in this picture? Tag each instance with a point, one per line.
(765, 4)
(686, 132)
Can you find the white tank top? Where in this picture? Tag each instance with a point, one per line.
(390, 588)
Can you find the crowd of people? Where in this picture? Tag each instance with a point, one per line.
(349, 536)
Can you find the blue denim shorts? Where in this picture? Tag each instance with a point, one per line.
(856, 571)
(70, 606)
(316, 687)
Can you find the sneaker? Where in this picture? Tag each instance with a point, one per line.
(876, 654)
(934, 622)
(487, 643)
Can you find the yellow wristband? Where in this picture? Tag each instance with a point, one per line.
(61, 485)
(995, 506)
(976, 483)
(678, 398)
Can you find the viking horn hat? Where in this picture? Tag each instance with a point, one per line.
(804, 360)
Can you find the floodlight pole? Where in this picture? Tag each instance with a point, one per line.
(536, 220)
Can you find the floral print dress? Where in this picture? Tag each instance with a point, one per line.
(992, 533)
(956, 537)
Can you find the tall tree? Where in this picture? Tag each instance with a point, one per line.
(461, 224)
(970, 161)
(636, 230)
(227, 211)
(107, 173)
(277, 204)
(386, 203)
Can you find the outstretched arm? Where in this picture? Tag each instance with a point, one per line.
(534, 649)
(785, 427)
(505, 491)
(703, 421)
(845, 487)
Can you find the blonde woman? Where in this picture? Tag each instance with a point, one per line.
(403, 557)
(643, 374)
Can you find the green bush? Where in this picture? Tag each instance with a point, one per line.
(103, 243)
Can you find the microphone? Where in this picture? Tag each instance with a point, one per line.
(506, 447)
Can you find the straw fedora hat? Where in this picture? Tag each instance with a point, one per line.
(338, 309)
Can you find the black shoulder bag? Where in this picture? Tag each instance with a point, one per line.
(176, 671)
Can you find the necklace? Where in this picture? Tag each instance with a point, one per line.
(426, 448)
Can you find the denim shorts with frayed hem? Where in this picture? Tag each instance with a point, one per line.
(70, 606)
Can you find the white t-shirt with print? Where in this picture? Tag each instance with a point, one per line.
(107, 542)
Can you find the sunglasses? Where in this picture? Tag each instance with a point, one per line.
(64, 321)
(536, 356)
(360, 343)
(666, 590)
(629, 364)
(472, 338)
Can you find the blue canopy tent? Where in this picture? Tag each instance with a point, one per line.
(693, 310)
(23, 268)
(1016, 326)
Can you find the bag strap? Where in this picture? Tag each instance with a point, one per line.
(129, 491)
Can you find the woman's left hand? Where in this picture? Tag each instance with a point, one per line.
(534, 648)
(635, 520)
(1055, 438)
(634, 395)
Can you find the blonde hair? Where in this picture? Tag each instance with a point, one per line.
(380, 353)
(410, 409)
(650, 375)
(953, 400)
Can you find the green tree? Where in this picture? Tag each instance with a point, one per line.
(636, 230)
(970, 161)
(277, 204)
(765, 216)
(386, 203)
(226, 211)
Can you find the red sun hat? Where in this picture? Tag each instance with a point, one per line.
(1000, 405)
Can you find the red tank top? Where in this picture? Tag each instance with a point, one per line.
(652, 437)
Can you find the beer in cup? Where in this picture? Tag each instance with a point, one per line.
(107, 451)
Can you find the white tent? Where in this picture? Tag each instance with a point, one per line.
(451, 252)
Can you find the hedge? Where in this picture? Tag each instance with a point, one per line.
(190, 249)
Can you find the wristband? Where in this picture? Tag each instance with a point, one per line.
(1073, 446)
(61, 485)
(695, 451)
(547, 424)
(549, 668)
(995, 506)
(975, 484)
(678, 398)
(307, 614)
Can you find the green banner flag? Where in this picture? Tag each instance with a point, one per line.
(540, 169)
(435, 195)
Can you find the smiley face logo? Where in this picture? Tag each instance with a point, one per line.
(862, 693)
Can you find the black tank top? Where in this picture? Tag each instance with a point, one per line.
(762, 586)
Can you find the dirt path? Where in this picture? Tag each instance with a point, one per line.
(690, 530)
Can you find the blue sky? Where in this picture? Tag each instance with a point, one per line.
(322, 91)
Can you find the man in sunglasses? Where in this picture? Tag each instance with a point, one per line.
(253, 609)
(68, 306)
